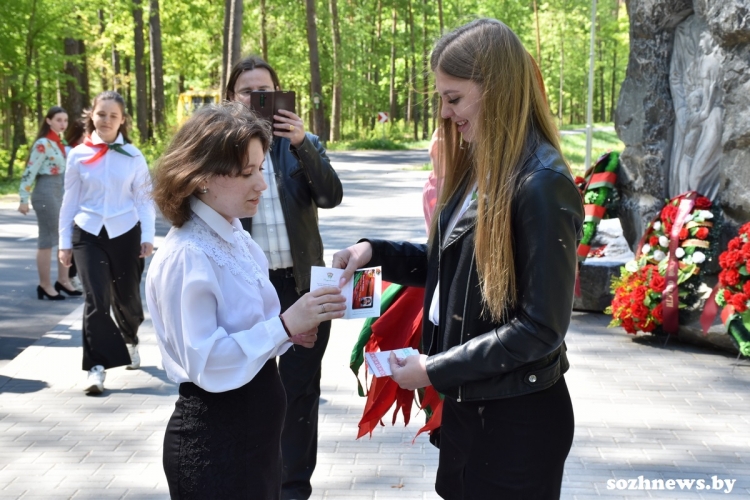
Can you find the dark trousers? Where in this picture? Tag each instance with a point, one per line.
(510, 449)
(300, 373)
(110, 272)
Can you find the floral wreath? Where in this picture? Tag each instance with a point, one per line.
(734, 289)
(667, 271)
(598, 190)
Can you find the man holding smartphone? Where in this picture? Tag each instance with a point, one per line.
(300, 180)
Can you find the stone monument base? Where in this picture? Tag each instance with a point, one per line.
(595, 275)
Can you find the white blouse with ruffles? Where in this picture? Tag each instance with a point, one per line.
(215, 312)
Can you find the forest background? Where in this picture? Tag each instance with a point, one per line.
(354, 57)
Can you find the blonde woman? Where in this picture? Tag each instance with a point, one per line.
(498, 272)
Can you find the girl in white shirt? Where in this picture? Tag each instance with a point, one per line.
(107, 220)
(217, 315)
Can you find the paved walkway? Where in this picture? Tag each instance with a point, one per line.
(642, 409)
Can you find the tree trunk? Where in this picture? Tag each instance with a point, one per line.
(157, 68)
(440, 15)
(38, 88)
(128, 87)
(73, 99)
(233, 45)
(392, 93)
(141, 103)
(337, 77)
(538, 40)
(116, 81)
(612, 96)
(316, 85)
(560, 106)
(103, 69)
(225, 48)
(413, 109)
(19, 134)
(426, 69)
(602, 111)
(263, 31)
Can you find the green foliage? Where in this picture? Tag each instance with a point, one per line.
(32, 56)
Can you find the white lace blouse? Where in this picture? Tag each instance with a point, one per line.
(214, 310)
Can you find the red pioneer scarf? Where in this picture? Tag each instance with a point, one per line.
(103, 148)
(52, 136)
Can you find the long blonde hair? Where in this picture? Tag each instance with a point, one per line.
(513, 119)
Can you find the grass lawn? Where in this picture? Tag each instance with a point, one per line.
(574, 148)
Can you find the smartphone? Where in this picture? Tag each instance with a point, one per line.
(267, 104)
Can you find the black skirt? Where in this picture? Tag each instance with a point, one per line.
(227, 445)
(512, 448)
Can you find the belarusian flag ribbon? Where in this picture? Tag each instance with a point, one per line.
(603, 179)
(103, 148)
(671, 294)
(594, 213)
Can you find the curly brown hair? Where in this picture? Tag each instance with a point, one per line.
(213, 142)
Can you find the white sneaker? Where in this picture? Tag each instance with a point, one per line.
(135, 358)
(95, 380)
(76, 283)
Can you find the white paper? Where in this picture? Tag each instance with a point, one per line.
(378, 362)
(362, 300)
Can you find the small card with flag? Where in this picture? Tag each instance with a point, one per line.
(378, 362)
(362, 292)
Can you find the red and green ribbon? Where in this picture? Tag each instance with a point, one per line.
(671, 294)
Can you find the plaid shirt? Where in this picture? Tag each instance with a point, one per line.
(269, 228)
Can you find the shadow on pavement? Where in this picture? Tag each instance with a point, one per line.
(20, 385)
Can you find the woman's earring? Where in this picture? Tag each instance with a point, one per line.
(204, 190)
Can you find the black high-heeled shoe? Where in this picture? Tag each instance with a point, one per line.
(60, 288)
(41, 293)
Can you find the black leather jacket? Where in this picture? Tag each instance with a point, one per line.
(306, 182)
(470, 357)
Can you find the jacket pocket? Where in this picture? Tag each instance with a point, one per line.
(543, 377)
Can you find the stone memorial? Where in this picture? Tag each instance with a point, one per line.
(684, 112)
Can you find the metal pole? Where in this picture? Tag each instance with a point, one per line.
(590, 104)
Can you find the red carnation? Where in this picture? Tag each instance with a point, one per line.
(746, 288)
(648, 327)
(658, 313)
(745, 252)
(658, 283)
(702, 202)
(666, 227)
(727, 296)
(745, 229)
(639, 294)
(734, 244)
(702, 233)
(739, 301)
(729, 277)
(628, 325)
(731, 259)
(640, 311)
(684, 233)
(669, 212)
(580, 180)
(653, 241)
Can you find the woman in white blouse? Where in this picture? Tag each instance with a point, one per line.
(216, 314)
(107, 219)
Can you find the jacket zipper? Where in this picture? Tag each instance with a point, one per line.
(440, 253)
(463, 317)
